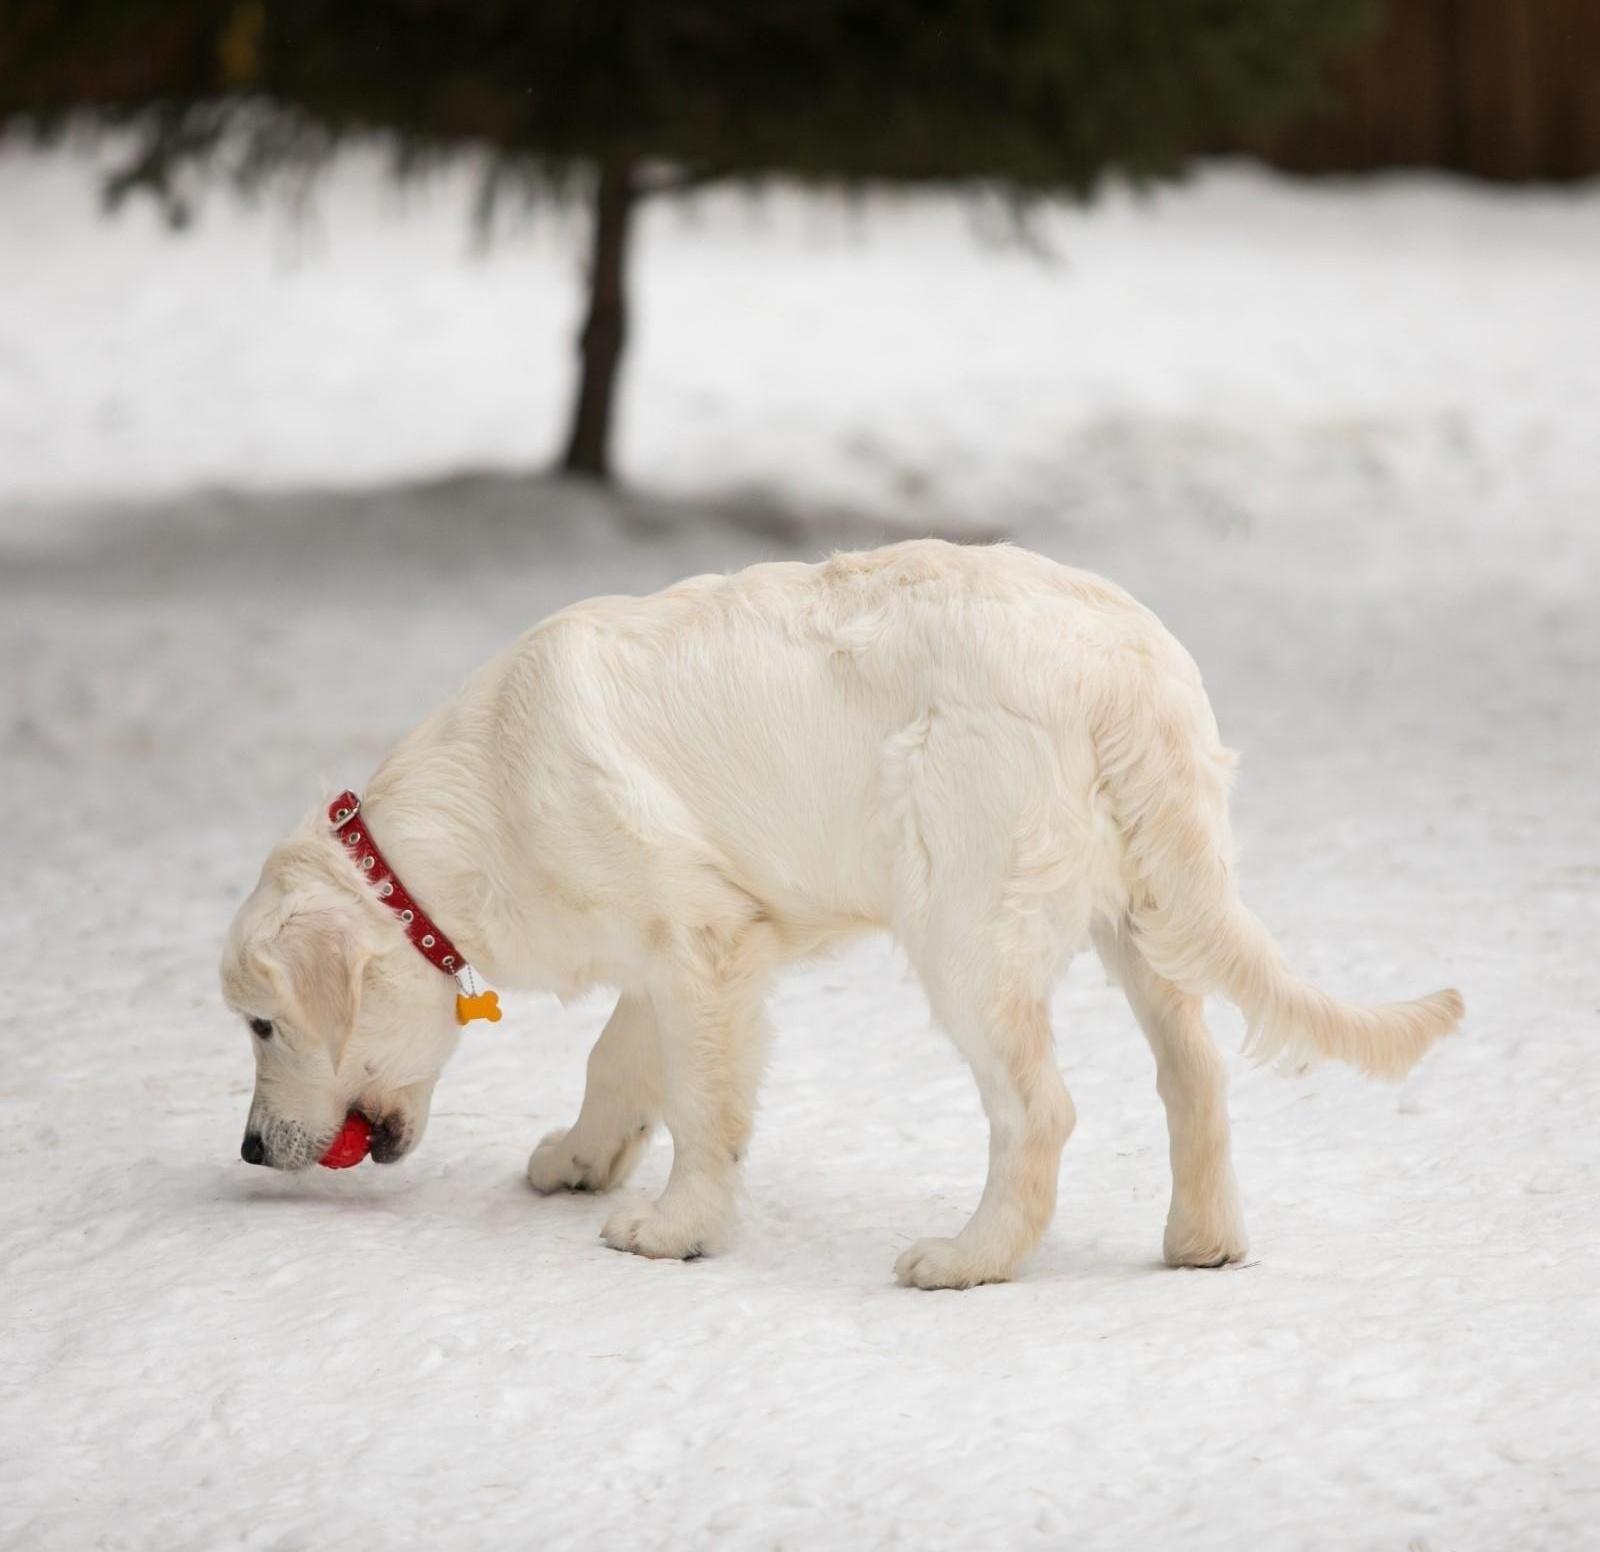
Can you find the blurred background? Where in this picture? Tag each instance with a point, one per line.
(339, 343)
(760, 226)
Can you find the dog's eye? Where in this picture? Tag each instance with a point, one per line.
(261, 1027)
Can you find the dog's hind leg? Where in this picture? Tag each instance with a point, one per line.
(709, 1011)
(1004, 1032)
(621, 1105)
(1205, 1226)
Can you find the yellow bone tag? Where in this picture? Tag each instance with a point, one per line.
(486, 1005)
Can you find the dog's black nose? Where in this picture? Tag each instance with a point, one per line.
(254, 1150)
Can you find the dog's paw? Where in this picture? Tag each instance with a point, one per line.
(945, 1263)
(558, 1165)
(659, 1233)
(1196, 1242)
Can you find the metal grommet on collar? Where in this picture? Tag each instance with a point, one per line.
(407, 917)
(366, 863)
(428, 940)
(353, 838)
(449, 961)
(385, 889)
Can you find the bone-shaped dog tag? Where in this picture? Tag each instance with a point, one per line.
(486, 1005)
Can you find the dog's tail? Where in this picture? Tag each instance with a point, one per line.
(1166, 775)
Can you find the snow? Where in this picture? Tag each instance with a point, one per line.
(264, 499)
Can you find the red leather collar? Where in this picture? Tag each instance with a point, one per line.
(427, 937)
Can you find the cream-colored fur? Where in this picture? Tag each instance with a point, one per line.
(996, 758)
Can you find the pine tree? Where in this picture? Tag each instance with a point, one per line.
(646, 97)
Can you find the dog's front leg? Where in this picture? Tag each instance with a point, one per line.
(621, 1104)
(713, 1042)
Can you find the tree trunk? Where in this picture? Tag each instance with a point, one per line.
(600, 345)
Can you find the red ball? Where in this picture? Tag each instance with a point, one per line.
(351, 1145)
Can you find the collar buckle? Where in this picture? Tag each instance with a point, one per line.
(343, 809)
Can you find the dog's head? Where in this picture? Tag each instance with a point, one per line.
(342, 1012)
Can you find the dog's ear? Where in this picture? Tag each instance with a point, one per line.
(317, 961)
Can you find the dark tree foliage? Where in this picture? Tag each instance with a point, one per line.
(1023, 95)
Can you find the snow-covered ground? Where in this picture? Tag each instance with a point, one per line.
(1342, 437)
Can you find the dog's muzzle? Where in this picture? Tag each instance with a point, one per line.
(391, 1140)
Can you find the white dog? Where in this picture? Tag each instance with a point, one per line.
(998, 759)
